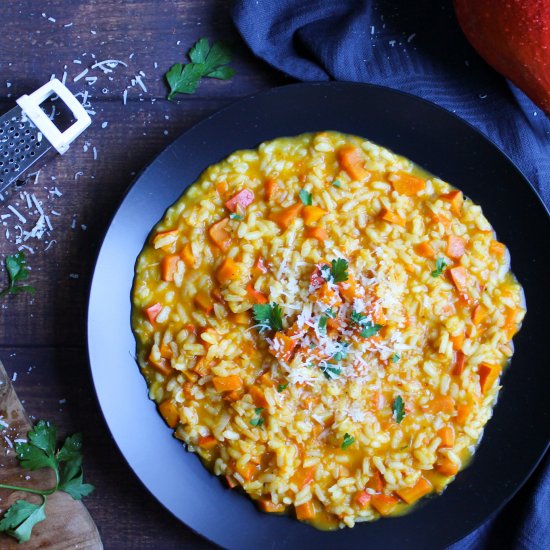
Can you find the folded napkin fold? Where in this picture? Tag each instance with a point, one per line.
(417, 47)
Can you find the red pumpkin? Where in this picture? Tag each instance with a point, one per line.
(513, 36)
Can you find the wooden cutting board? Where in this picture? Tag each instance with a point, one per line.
(68, 524)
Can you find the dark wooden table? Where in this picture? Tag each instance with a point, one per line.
(43, 338)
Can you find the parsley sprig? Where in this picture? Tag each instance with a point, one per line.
(337, 272)
(398, 409)
(40, 452)
(440, 267)
(16, 266)
(206, 60)
(348, 441)
(268, 317)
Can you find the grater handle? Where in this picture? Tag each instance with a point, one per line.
(30, 105)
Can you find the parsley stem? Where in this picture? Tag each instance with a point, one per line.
(35, 491)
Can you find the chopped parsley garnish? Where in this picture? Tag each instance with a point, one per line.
(305, 197)
(440, 266)
(323, 324)
(398, 409)
(395, 357)
(348, 440)
(16, 267)
(342, 354)
(326, 273)
(40, 452)
(337, 272)
(331, 371)
(369, 329)
(357, 317)
(235, 216)
(330, 313)
(282, 387)
(268, 316)
(206, 60)
(258, 420)
(336, 183)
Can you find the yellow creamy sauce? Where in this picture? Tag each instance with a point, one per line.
(429, 338)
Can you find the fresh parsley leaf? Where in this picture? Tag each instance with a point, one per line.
(199, 51)
(330, 313)
(305, 197)
(16, 266)
(43, 436)
(218, 56)
(331, 371)
(69, 470)
(40, 452)
(235, 216)
(75, 487)
(395, 357)
(440, 266)
(72, 448)
(339, 270)
(282, 387)
(33, 458)
(184, 79)
(268, 316)
(342, 354)
(358, 318)
(223, 73)
(369, 329)
(323, 324)
(206, 61)
(336, 183)
(398, 409)
(20, 519)
(325, 272)
(258, 420)
(348, 440)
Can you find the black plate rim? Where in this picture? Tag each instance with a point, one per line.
(220, 113)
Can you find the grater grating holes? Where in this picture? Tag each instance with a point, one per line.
(20, 147)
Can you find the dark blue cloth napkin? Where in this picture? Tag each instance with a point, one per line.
(412, 45)
(417, 46)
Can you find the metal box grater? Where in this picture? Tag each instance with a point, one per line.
(27, 134)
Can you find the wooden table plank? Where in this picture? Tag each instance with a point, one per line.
(91, 191)
(55, 384)
(150, 32)
(42, 338)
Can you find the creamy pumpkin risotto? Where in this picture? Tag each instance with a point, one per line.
(325, 326)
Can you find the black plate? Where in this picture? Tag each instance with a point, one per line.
(515, 438)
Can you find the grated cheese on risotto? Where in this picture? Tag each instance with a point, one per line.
(325, 325)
